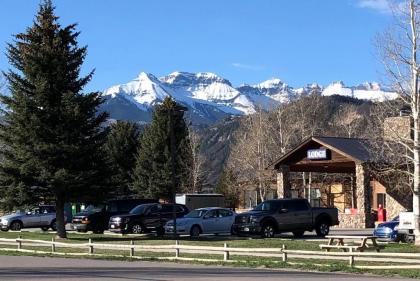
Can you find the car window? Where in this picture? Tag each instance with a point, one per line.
(224, 213)
(156, 209)
(268, 206)
(211, 214)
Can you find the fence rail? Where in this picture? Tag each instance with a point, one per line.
(411, 260)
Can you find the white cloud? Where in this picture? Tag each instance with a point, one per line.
(247, 66)
(382, 6)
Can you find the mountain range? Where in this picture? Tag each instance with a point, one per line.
(210, 98)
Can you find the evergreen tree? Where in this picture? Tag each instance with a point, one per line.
(121, 147)
(161, 172)
(54, 142)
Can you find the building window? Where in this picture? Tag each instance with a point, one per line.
(381, 200)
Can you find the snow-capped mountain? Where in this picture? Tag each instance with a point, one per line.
(210, 97)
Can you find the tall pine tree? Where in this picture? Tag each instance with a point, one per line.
(121, 148)
(52, 133)
(160, 172)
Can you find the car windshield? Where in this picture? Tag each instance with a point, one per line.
(266, 206)
(196, 213)
(94, 208)
(397, 218)
(140, 209)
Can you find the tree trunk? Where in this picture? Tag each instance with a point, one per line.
(416, 181)
(61, 225)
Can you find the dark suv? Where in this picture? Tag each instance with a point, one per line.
(96, 216)
(146, 218)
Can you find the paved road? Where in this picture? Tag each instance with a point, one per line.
(37, 268)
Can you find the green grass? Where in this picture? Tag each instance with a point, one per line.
(247, 261)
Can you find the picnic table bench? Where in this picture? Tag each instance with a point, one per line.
(358, 243)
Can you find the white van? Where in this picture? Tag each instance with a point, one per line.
(406, 227)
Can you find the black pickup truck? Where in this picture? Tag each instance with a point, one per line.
(285, 215)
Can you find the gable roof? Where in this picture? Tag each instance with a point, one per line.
(353, 148)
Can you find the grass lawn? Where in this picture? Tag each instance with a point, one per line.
(268, 262)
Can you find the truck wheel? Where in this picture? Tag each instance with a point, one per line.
(407, 238)
(45, 228)
(16, 226)
(298, 234)
(267, 231)
(54, 225)
(137, 228)
(195, 231)
(322, 228)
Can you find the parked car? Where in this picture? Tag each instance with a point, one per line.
(42, 216)
(96, 216)
(203, 221)
(286, 215)
(146, 218)
(388, 231)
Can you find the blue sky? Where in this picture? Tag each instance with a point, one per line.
(245, 41)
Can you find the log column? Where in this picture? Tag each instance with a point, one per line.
(283, 182)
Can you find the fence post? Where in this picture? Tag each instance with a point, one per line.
(132, 248)
(52, 245)
(284, 257)
(19, 242)
(351, 257)
(226, 253)
(90, 246)
(176, 249)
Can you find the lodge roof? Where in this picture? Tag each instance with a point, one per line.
(353, 148)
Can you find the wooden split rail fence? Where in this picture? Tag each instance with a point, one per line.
(412, 260)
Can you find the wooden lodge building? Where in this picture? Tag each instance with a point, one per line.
(340, 176)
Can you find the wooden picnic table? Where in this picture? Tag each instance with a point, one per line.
(359, 243)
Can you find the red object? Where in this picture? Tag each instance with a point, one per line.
(381, 214)
(353, 211)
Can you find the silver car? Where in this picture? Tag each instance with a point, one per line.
(43, 217)
(203, 221)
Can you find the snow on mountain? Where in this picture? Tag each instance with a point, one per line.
(210, 97)
(365, 91)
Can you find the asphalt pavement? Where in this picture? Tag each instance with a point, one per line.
(63, 269)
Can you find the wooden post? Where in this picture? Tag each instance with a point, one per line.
(284, 257)
(176, 249)
(226, 253)
(52, 245)
(19, 243)
(351, 257)
(90, 246)
(132, 248)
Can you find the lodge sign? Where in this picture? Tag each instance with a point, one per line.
(317, 154)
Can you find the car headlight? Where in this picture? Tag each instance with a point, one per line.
(4, 221)
(118, 219)
(85, 220)
(253, 219)
(396, 228)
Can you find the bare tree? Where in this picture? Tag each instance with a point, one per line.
(197, 172)
(348, 120)
(399, 50)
